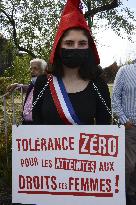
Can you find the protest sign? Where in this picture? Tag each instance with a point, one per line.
(68, 165)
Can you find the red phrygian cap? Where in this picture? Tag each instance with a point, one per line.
(71, 17)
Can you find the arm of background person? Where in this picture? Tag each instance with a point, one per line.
(17, 86)
(117, 96)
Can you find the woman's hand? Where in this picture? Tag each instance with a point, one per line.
(12, 87)
(128, 125)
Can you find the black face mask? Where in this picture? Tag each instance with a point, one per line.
(73, 58)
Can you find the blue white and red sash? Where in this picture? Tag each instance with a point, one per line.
(62, 102)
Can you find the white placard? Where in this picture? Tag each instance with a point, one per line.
(59, 165)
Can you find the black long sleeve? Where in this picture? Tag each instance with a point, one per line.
(103, 116)
(87, 104)
(37, 111)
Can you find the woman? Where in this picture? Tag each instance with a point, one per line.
(75, 90)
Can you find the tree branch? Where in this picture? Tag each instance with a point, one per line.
(106, 7)
(12, 22)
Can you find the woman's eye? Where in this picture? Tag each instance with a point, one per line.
(83, 44)
(69, 43)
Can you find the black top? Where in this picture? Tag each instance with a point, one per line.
(86, 103)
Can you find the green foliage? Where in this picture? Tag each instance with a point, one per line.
(5, 168)
(5, 159)
(4, 82)
(6, 53)
(19, 72)
(6, 151)
(35, 22)
(120, 19)
(98, 3)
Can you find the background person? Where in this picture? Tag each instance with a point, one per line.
(37, 67)
(124, 107)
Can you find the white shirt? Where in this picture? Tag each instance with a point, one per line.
(124, 94)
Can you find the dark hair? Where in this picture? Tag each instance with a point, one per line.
(90, 72)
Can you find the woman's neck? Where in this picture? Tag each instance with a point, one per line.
(71, 73)
(72, 81)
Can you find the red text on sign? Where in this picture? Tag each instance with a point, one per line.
(104, 145)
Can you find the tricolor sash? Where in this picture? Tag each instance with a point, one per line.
(62, 101)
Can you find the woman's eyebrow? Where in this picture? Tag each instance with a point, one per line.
(84, 41)
(68, 41)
